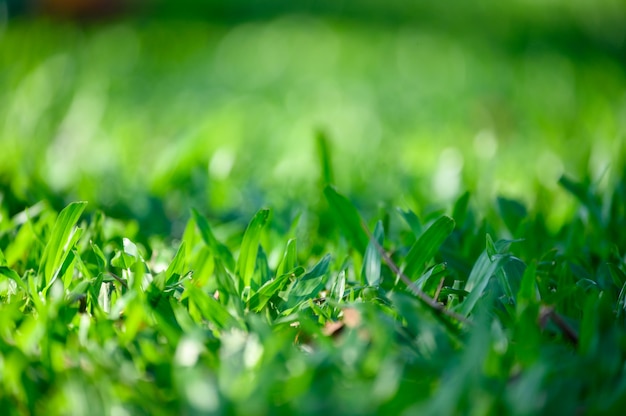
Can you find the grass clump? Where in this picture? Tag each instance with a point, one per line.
(404, 313)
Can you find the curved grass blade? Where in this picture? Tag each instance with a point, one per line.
(177, 266)
(290, 258)
(485, 268)
(219, 249)
(426, 246)
(372, 259)
(250, 247)
(323, 149)
(58, 246)
(348, 218)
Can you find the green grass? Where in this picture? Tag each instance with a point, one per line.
(438, 321)
(307, 215)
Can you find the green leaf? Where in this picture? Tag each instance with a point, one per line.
(269, 289)
(490, 247)
(290, 258)
(177, 267)
(58, 246)
(127, 257)
(412, 220)
(250, 247)
(485, 268)
(426, 246)
(323, 149)
(372, 258)
(211, 309)
(528, 292)
(348, 218)
(512, 212)
(219, 249)
(431, 278)
(5, 271)
(460, 210)
(309, 285)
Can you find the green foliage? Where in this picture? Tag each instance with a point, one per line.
(379, 286)
(118, 330)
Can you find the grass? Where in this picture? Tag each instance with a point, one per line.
(440, 247)
(410, 315)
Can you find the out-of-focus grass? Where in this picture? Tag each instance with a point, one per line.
(148, 118)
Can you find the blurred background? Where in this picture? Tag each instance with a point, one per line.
(146, 108)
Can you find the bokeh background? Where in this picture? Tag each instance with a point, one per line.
(147, 108)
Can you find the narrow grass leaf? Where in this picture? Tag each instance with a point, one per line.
(412, 220)
(250, 247)
(490, 247)
(127, 257)
(372, 258)
(583, 192)
(485, 268)
(348, 218)
(211, 309)
(528, 292)
(426, 246)
(5, 271)
(512, 212)
(323, 150)
(290, 258)
(177, 267)
(431, 278)
(219, 249)
(309, 285)
(58, 248)
(461, 207)
(271, 288)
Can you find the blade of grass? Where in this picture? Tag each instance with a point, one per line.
(426, 246)
(347, 217)
(323, 149)
(57, 249)
(372, 260)
(290, 258)
(219, 249)
(250, 247)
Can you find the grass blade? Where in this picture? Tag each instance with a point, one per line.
(250, 247)
(219, 249)
(372, 259)
(177, 266)
(57, 248)
(290, 258)
(426, 246)
(347, 217)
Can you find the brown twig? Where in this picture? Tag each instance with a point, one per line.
(548, 312)
(119, 279)
(432, 303)
(439, 287)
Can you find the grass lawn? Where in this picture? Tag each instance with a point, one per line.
(300, 214)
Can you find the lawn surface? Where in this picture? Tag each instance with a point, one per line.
(298, 214)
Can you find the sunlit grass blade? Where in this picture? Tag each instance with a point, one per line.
(219, 249)
(290, 258)
(309, 285)
(483, 271)
(271, 288)
(57, 249)
(210, 309)
(372, 258)
(426, 246)
(250, 247)
(177, 267)
(348, 218)
(412, 220)
(323, 149)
